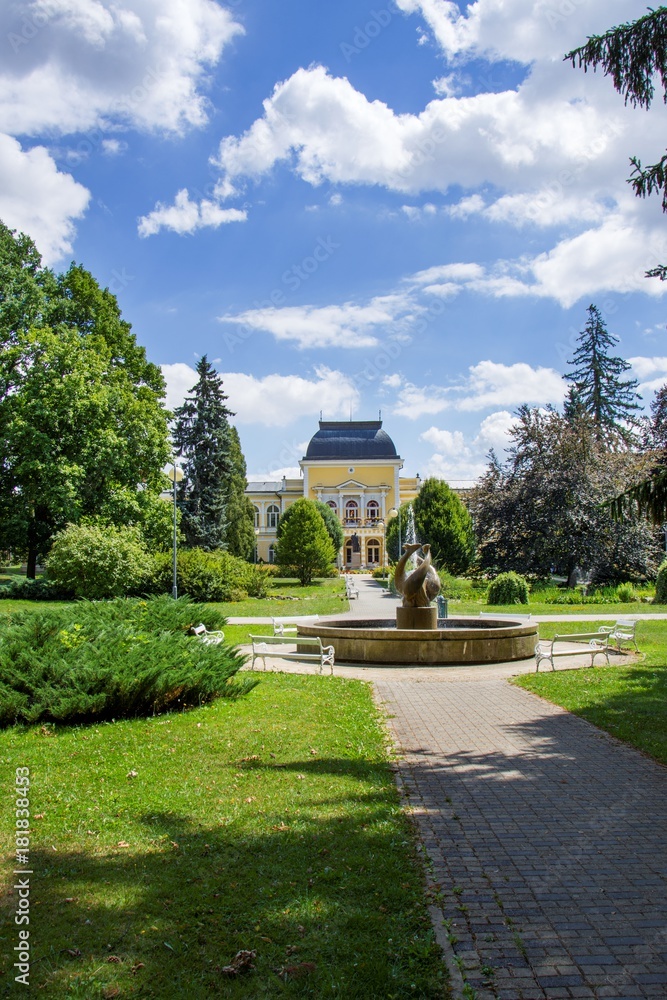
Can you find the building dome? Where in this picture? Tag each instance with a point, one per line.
(347, 439)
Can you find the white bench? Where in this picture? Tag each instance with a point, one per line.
(203, 634)
(283, 625)
(596, 642)
(270, 645)
(624, 630)
(351, 590)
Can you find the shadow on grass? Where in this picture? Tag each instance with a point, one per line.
(556, 828)
(332, 906)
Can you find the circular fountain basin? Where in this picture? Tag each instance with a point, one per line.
(457, 641)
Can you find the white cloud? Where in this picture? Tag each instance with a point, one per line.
(456, 470)
(488, 384)
(75, 65)
(180, 379)
(186, 216)
(448, 272)
(113, 147)
(288, 471)
(644, 367)
(446, 442)
(37, 199)
(493, 384)
(274, 400)
(348, 325)
(278, 400)
(521, 30)
(494, 431)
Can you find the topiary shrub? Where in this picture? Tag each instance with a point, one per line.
(96, 562)
(508, 588)
(661, 585)
(112, 660)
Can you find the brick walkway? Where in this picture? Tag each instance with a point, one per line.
(548, 838)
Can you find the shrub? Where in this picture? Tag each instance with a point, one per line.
(96, 562)
(208, 576)
(626, 593)
(111, 660)
(35, 590)
(508, 588)
(661, 585)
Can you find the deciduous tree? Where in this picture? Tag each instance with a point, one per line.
(304, 544)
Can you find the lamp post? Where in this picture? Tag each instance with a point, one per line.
(176, 475)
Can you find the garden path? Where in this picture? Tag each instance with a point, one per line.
(547, 837)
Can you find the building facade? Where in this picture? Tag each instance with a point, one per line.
(353, 467)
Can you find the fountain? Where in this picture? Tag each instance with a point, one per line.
(417, 637)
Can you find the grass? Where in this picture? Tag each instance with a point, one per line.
(287, 598)
(270, 824)
(627, 701)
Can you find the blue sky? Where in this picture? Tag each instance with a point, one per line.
(404, 206)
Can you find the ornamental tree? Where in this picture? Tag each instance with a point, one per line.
(331, 523)
(442, 520)
(304, 546)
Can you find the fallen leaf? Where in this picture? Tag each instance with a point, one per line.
(135, 968)
(300, 777)
(39, 816)
(167, 945)
(301, 930)
(74, 952)
(249, 799)
(291, 948)
(110, 992)
(113, 958)
(297, 971)
(122, 843)
(312, 750)
(132, 774)
(242, 962)
(70, 899)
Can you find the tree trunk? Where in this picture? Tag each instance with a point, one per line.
(31, 571)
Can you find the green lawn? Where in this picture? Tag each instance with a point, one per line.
(287, 598)
(630, 702)
(161, 847)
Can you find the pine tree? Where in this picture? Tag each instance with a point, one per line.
(202, 438)
(597, 387)
(633, 54)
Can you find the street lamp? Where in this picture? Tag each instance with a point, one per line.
(176, 475)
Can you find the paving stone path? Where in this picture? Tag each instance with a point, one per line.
(547, 837)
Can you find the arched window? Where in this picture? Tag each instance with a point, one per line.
(373, 511)
(332, 504)
(272, 515)
(256, 516)
(372, 552)
(272, 553)
(351, 512)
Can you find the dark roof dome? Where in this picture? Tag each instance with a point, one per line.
(349, 439)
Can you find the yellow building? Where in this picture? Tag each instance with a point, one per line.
(353, 467)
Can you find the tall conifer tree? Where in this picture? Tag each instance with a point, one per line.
(202, 439)
(597, 388)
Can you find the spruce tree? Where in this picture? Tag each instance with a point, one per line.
(202, 438)
(240, 530)
(597, 388)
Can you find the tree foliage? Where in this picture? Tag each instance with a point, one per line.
(81, 410)
(304, 545)
(331, 523)
(442, 520)
(215, 511)
(394, 549)
(633, 54)
(96, 563)
(543, 509)
(597, 388)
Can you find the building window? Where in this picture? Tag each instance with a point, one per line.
(373, 511)
(372, 552)
(272, 553)
(332, 504)
(351, 512)
(256, 516)
(272, 515)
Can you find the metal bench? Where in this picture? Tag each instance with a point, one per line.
(624, 630)
(270, 645)
(203, 634)
(597, 642)
(283, 625)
